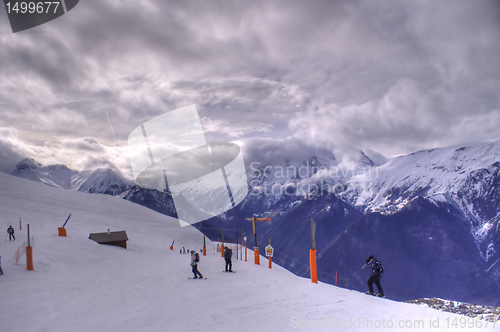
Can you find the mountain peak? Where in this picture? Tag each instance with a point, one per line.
(28, 163)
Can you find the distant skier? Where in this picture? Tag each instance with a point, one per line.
(228, 253)
(10, 230)
(1, 272)
(195, 258)
(377, 270)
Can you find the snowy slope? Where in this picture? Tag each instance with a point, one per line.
(79, 285)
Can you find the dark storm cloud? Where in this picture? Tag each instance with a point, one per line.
(390, 76)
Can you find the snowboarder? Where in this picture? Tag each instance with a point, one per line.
(10, 230)
(375, 276)
(228, 253)
(195, 258)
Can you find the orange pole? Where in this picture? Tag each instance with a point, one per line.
(256, 256)
(312, 261)
(222, 247)
(270, 262)
(29, 258)
(245, 252)
(204, 250)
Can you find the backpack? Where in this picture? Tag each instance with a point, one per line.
(196, 257)
(378, 268)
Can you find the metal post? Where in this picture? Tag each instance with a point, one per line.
(254, 231)
(256, 248)
(241, 251)
(313, 235)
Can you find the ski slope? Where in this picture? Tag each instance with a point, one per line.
(79, 285)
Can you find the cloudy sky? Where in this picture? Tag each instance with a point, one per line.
(389, 76)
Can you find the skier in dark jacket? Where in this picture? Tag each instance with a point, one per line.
(10, 230)
(374, 277)
(228, 253)
(194, 264)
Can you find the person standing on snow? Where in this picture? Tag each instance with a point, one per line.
(228, 253)
(375, 276)
(195, 258)
(10, 230)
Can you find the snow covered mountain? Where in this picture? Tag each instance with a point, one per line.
(101, 180)
(79, 285)
(465, 178)
(432, 216)
(457, 174)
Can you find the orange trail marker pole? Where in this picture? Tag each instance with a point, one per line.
(222, 247)
(312, 255)
(29, 253)
(256, 248)
(245, 238)
(204, 246)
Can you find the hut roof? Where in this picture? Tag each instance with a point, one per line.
(107, 238)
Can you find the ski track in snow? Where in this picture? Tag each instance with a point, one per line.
(79, 285)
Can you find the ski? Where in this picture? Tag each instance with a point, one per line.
(196, 278)
(229, 271)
